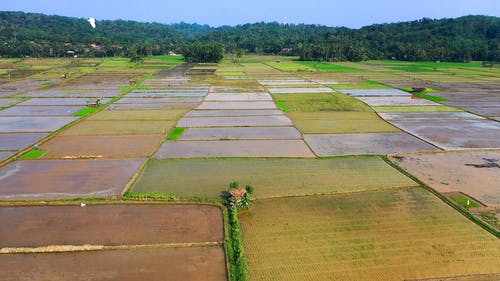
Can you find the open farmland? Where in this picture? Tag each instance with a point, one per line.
(387, 235)
(273, 177)
(340, 122)
(308, 136)
(206, 263)
(128, 146)
(320, 102)
(127, 242)
(67, 179)
(475, 174)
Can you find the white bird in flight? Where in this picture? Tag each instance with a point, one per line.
(92, 22)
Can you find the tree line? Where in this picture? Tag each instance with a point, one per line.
(461, 39)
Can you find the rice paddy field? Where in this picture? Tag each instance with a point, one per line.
(274, 177)
(320, 102)
(340, 122)
(354, 177)
(385, 235)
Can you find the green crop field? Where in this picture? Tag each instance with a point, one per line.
(365, 84)
(175, 133)
(270, 177)
(330, 67)
(384, 235)
(340, 122)
(291, 66)
(33, 154)
(321, 102)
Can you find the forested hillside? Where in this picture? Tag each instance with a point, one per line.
(461, 39)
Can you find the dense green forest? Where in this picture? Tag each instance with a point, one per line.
(461, 39)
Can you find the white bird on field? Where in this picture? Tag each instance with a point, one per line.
(92, 22)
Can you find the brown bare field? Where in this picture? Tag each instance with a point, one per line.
(454, 134)
(18, 141)
(66, 178)
(153, 106)
(94, 128)
(233, 113)
(385, 235)
(109, 225)
(234, 133)
(205, 263)
(138, 115)
(242, 105)
(455, 172)
(340, 122)
(234, 148)
(236, 121)
(377, 143)
(133, 146)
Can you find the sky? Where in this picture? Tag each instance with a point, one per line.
(349, 13)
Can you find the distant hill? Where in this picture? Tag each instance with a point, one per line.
(460, 39)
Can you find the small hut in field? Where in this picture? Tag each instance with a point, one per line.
(238, 194)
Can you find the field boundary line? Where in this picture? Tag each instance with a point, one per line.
(466, 213)
(141, 169)
(404, 131)
(461, 277)
(337, 193)
(87, 248)
(53, 134)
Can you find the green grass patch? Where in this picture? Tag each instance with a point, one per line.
(320, 102)
(239, 265)
(266, 58)
(271, 177)
(231, 73)
(423, 108)
(176, 133)
(431, 97)
(330, 67)
(170, 59)
(413, 68)
(340, 122)
(462, 201)
(149, 195)
(432, 63)
(427, 90)
(365, 84)
(282, 105)
(118, 62)
(33, 154)
(289, 66)
(125, 87)
(491, 218)
(86, 69)
(425, 94)
(87, 111)
(46, 84)
(142, 87)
